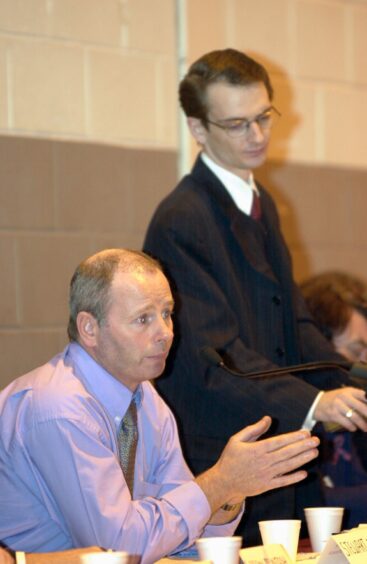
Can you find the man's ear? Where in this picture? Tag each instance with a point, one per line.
(87, 328)
(197, 129)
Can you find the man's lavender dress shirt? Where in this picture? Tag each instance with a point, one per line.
(61, 484)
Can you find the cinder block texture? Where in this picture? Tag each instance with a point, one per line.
(3, 84)
(8, 282)
(208, 26)
(24, 16)
(263, 27)
(322, 212)
(321, 37)
(22, 351)
(122, 96)
(150, 24)
(47, 87)
(86, 20)
(27, 198)
(61, 202)
(359, 36)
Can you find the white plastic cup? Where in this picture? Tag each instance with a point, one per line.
(219, 550)
(322, 522)
(104, 558)
(282, 531)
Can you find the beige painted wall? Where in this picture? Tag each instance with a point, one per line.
(316, 53)
(89, 69)
(88, 137)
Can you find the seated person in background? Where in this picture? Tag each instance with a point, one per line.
(338, 303)
(89, 452)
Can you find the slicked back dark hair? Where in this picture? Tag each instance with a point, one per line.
(229, 66)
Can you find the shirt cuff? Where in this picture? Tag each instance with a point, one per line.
(190, 501)
(310, 422)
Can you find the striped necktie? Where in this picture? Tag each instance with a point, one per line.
(127, 442)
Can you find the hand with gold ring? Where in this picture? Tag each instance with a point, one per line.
(346, 406)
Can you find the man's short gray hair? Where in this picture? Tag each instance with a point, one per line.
(91, 282)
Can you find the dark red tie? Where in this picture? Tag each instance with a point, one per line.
(255, 212)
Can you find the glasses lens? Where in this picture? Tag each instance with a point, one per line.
(265, 121)
(239, 129)
(242, 128)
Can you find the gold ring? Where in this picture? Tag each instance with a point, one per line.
(349, 413)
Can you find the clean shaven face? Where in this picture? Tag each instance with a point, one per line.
(228, 102)
(133, 342)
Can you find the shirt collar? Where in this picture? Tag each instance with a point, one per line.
(241, 191)
(113, 395)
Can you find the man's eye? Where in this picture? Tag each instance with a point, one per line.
(167, 314)
(238, 126)
(142, 319)
(264, 118)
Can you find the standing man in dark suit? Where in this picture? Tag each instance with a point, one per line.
(218, 237)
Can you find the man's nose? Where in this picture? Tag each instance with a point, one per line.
(165, 330)
(255, 133)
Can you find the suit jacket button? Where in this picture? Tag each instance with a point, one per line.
(277, 300)
(280, 352)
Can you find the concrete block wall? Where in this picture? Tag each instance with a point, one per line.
(89, 69)
(87, 149)
(88, 137)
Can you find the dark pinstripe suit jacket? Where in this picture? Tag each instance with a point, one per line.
(232, 280)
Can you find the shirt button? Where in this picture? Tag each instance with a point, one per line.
(280, 352)
(277, 300)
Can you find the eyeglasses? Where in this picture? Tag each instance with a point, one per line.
(242, 127)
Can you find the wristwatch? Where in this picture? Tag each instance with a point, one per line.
(229, 507)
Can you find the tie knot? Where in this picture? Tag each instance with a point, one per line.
(130, 416)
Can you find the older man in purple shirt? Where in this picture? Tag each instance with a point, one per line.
(61, 479)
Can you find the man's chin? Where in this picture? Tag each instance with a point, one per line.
(156, 371)
(256, 161)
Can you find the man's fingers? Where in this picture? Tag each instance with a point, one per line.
(346, 406)
(253, 432)
(352, 420)
(281, 441)
(288, 479)
(287, 472)
(294, 458)
(293, 449)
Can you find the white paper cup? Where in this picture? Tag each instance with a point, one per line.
(282, 531)
(322, 522)
(220, 550)
(104, 558)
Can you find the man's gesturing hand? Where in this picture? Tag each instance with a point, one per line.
(247, 468)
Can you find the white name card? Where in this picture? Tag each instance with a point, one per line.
(346, 547)
(268, 554)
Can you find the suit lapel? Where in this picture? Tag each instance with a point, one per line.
(250, 235)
